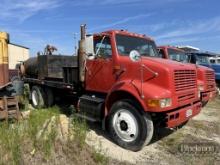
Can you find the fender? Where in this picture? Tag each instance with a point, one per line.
(123, 87)
(133, 89)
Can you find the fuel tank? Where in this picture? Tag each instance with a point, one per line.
(47, 66)
(30, 67)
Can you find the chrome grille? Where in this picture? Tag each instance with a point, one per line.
(186, 97)
(184, 80)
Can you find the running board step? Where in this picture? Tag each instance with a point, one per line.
(91, 107)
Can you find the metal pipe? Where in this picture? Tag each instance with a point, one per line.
(83, 31)
(82, 54)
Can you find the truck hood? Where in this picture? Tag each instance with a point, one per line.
(171, 64)
(215, 67)
(204, 68)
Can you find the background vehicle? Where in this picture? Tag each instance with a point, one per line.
(214, 60)
(203, 58)
(119, 79)
(205, 79)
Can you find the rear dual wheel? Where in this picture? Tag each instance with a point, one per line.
(41, 98)
(128, 127)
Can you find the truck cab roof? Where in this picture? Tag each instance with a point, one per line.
(200, 53)
(170, 47)
(125, 32)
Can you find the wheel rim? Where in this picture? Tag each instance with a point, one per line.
(125, 125)
(35, 98)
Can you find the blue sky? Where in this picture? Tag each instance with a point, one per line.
(35, 23)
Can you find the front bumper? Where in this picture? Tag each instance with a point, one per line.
(213, 95)
(207, 96)
(177, 117)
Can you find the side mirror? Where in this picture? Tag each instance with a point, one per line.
(89, 46)
(135, 56)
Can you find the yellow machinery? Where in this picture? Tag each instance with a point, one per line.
(4, 73)
(8, 103)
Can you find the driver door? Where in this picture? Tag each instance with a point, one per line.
(99, 71)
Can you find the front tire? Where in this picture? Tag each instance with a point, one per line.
(183, 124)
(204, 103)
(128, 127)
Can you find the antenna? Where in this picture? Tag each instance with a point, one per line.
(75, 42)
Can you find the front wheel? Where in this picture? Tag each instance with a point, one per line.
(128, 128)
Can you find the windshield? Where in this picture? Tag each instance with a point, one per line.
(178, 56)
(125, 44)
(212, 61)
(202, 59)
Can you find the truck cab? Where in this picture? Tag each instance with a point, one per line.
(205, 79)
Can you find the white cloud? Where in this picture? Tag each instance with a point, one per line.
(23, 9)
(189, 28)
(123, 21)
(124, 2)
(104, 2)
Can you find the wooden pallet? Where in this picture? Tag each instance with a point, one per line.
(9, 108)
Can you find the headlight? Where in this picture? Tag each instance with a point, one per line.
(165, 103)
(201, 88)
(162, 103)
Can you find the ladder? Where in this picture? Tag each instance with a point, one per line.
(9, 108)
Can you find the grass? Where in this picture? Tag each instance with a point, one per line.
(14, 137)
(80, 130)
(10, 143)
(99, 158)
(24, 99)
(37, 120)
(35, 125)
(36, 139)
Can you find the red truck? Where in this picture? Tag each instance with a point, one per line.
(206, 76)
(120, 80)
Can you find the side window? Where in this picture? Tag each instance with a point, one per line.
(146, 49)
(193, 59)
(160, 52)
(103, 47)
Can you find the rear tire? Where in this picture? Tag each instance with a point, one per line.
(128, 127)
(38, 97)
(49, 97)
